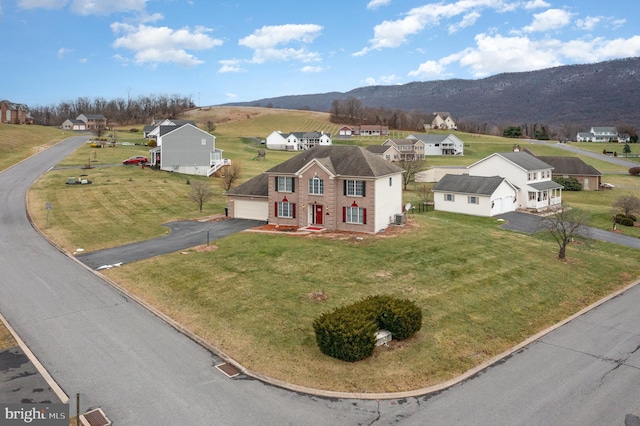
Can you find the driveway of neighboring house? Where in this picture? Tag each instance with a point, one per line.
(531, 223)
(183, 235)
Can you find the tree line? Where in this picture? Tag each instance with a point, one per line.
(351, 111)
(119, 111)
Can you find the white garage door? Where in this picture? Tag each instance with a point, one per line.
(251, 209)
(508, 204)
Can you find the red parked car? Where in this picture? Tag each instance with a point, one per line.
(136, 159)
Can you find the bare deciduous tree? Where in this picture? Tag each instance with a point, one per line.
(231, 175)
(629, 204)
(200, 192)
(564, 224)
(211, 126)
(411, 167)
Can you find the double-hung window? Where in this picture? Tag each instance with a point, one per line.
(316, 186)
(357, 215)
(449, 197)
(286, 209)
(354, 188)
(473, 200)
(284, 184)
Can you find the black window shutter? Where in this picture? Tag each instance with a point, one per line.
(364, 186)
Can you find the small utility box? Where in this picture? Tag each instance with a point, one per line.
(383, 337)
(71, 181)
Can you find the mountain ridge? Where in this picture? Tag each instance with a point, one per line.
(577, 96)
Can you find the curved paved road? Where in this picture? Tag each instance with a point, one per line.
(142, 372)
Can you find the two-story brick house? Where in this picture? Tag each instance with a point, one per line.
(344, 188)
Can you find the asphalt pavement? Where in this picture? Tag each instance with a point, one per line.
(121, 357)
(184, 234)
(531, 223)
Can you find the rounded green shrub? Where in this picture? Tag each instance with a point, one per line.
(625, 221)
(348, 333)
(152, 143)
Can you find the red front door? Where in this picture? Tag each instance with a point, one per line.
(317, 217)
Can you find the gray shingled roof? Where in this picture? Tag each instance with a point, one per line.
(342, 160)
(257, 187)
(378, 149)
(466, 184)
(525, 160)
(430, 138)
(570, 166)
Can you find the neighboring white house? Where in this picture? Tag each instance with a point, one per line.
(532, 176)
(440, 144)
(475, 195)
(441, 120)
(297, 141)
(602, 134)
(187, 149)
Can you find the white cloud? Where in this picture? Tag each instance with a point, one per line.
(588, 23)
(230, 65)
(267, 40)
(392, 34)
(156, 45)
(99, 7)
(62, 52)
(374, 4)
(309, 68)
(384, 79)
(536, 4)
(468, 20)
(231, 96)
(83, 60)
(495, 54)
(551, 19)
(41, 4)
(430, 70)
(87, 7)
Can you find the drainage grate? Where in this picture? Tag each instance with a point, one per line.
(95, 418)
(229, 370)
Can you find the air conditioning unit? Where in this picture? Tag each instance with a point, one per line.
(399, 219)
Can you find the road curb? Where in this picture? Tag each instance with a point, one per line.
(36, 363)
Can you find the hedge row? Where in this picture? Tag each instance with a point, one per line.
(348, 333)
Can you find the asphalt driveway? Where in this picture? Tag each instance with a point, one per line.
(183, 235)
(530, 223)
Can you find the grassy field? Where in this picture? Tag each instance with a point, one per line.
(482, 289)
(19, 142)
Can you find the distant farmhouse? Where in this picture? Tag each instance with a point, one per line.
(364, 130)
(82, 122)
(602, 134)
(441, 120)
(13, 113)
(297, 141)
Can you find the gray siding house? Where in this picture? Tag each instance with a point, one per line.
(188, 150)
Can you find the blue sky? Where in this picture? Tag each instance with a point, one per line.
(237, 51)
